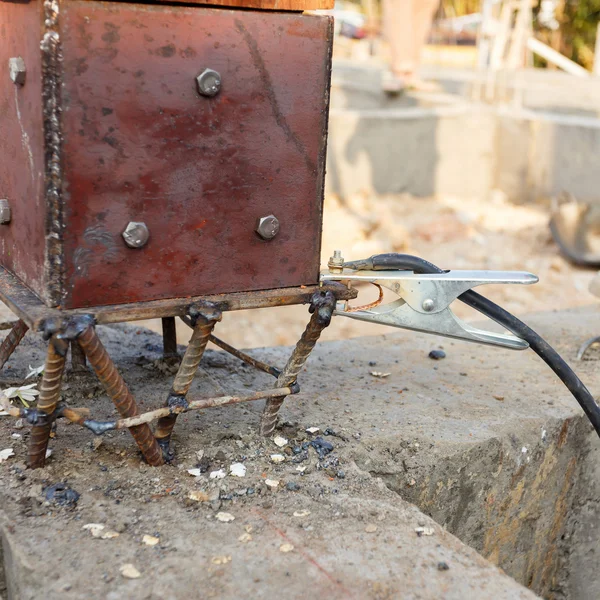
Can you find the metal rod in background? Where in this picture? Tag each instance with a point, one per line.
(253, 362)
(169, 331)
(322, 306)
(12, 340)
(117, 389)
(78, 360)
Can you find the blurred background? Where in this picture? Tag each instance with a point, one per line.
(466, 132)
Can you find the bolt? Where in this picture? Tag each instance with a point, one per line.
(136, 234)
(336, 262)
(5, 215)
(17, 70)
(428, 305)
(209, 83)
(267, 227)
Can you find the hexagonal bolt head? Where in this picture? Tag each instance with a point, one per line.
(5, 215)
(209, 83)
(267, 227)
(17, 70)
(136, 234)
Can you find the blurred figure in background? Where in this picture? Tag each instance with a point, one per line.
(406, 25)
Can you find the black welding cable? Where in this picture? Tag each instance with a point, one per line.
(406, 262)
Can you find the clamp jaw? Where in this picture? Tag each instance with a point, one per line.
(423, 302)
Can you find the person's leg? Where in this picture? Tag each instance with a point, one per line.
(399, 32)
(423, 13)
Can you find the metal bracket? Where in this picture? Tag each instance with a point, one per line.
(424, 301)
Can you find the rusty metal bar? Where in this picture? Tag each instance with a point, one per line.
(46, 405)
(78, 360)
(322, 307)
(117, 389)
(99, 427)
(204, 316)
(169, 337)
(253, 362)
(12, 340)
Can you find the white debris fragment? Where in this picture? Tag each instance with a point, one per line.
(198, 496)
(48, 452)
(300, 468)
(379, 374)
(286, 547)
(245, 538)
(220, 474)
(3, 413)
(150, 540)
(129, 571)
(280, 441)
(194, 472)
(312, 429)
(424, 531)
(371, 528)
(199, 454)
(221, 560)
(35, 371)
(544, 434)
(5, 454)
(301, 513)
(99, 531)
(524, 450)
(238, 470)
(277, 458)
(16, 436)
(224, 517)
(271, 483)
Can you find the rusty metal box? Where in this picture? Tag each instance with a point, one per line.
(103, 122)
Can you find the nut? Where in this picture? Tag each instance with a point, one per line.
(209, 83)
(17, 70)
(136, 234)
(5, 215)
(267, 227)
(336, 262)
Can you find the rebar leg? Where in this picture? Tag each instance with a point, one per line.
(117, 389)
(46, 405)
(169, 337)
(321, 306)
(78, 360)
(204, 317)
(12, 340)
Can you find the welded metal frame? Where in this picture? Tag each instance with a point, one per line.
(76, 329)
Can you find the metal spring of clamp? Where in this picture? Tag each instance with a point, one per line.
(424, 301)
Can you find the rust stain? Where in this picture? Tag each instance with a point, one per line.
(564, 433)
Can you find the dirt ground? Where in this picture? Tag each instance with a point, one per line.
(454, 233)
(327, 525)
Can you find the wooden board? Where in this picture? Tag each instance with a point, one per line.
(287, 5)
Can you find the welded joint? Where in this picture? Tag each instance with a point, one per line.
(63, 330)
(177, 403)
(37, 417)
(323, 304)
(99, 427)
(204, 313)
